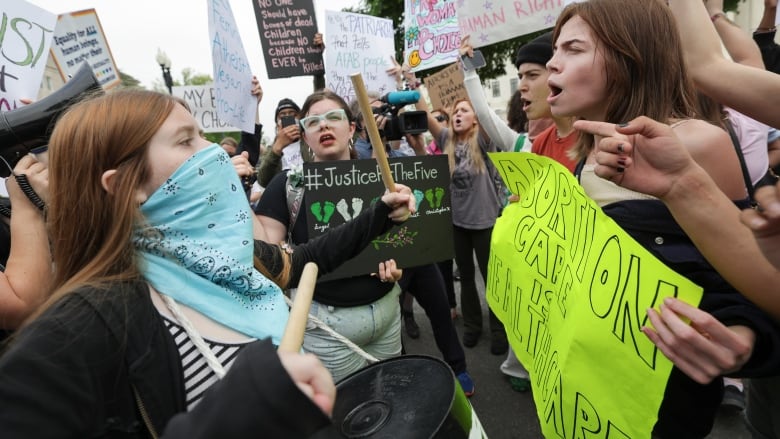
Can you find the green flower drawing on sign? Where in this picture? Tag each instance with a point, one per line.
(401, 238)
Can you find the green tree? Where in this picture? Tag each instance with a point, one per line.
(129, 81)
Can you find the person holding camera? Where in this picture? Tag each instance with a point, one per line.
(286, 149)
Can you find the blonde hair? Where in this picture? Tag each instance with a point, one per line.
(471, 137)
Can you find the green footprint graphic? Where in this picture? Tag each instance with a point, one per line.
(429, 197)
(439, 196)
(316, 210)
(329, 209)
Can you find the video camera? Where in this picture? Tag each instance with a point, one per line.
(408, 122)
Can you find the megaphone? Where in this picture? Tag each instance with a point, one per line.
(29, 127)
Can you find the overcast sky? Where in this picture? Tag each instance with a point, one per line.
(136, 29)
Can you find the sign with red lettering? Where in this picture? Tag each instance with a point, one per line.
(492, 21)
(287, 29)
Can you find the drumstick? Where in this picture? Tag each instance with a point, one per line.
(373, 131)
(292, 340)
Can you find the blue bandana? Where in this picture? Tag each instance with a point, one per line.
(197, 247)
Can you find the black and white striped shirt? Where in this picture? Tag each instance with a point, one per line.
(198, 376)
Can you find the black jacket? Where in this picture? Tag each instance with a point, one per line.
(688, 408)
(88, 364)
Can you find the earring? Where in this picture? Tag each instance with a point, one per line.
(351, 144)
(311, 153)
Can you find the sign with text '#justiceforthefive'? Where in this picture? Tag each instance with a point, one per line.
(25, 37)
(572, 289)
(337, 191)
(491, 21)
(287, 29)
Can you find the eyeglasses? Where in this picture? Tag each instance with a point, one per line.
(312, 123)
(441, 118)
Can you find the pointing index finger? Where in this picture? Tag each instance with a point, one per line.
(603, 129)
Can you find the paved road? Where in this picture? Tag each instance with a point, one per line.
(505, 413)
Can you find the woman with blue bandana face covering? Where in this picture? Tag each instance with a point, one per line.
(162, 289)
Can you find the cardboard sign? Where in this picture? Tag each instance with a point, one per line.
(446, 86)
(232, 73)
(498, 20)
(432, 35)
(25, 37)
(79, 38)
(337, 191)
(572, 289)
(287, 30)
(201, 100)
(362, 44)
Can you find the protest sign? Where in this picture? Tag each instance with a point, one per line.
(287, 29)
(201, 100)
(232, 74)
(25, 37)
(432, 36)
(79, 38)
(338, 191)
(362, 44)
(498, 20)
(446, 86)
(572, 289)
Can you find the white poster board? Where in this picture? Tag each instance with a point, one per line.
(499, 20)
(79, 38)
(201, 99)
(25, 38)
(232, 73)
(358, 43)
(432, 35)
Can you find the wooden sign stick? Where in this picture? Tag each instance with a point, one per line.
(373, 131)
(292, 340)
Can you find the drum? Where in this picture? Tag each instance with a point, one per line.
(411, 396)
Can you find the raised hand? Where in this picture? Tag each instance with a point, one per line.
(643, 155)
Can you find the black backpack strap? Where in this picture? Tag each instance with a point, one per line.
(741, 156)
